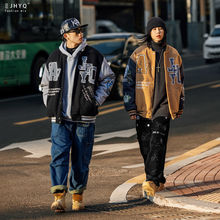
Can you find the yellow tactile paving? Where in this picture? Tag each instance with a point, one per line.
(211, 197)
(138, 179)
(202, 148)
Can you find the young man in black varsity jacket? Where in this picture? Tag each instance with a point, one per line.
(76, 80)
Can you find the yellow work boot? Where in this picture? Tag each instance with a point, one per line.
(59, 204)
(161, 187)
(149, 188)
(77, 203)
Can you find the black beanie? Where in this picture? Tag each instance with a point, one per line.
(155, 22)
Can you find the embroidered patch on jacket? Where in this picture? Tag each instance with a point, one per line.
(174, 71)
(128, 76)
(54, 72)
(87, 69)
(141, 64)
(127, 98)
(110, 84)
(142, 85)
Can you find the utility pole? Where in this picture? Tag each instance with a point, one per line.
(156, 8)
(212, 14)
(202, 11)
(172, 11)
(147, 11)
(202, 15)
(194, 11)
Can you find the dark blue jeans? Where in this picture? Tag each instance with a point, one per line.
(152, 137)
(79, 138)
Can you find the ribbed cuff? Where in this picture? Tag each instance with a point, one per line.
(132, 112)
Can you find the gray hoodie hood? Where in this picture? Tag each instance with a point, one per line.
(81, 47)
(71, 64)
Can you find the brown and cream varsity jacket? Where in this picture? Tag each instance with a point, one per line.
(139, 80)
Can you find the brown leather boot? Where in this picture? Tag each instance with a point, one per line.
(161, 187)
(149, 188)
(59, 203)
(77, 203)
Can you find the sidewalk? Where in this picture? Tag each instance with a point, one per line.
(193, 183)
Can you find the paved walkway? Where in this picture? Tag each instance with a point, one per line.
(193, 183)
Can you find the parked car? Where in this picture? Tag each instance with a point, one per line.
(107, 26)
(117, 48)
(211, 46)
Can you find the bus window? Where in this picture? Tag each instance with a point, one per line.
(29, 32)
(39, 21)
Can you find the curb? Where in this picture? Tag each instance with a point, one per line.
(170, 199)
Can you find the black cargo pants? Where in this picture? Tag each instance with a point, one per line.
(152, 137)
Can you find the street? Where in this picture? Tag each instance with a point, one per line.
(25, 152)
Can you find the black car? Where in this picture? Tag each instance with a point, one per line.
(117, 48)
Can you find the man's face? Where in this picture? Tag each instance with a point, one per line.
(74, 37)
(157, 34)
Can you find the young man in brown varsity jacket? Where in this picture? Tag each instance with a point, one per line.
(153, 94)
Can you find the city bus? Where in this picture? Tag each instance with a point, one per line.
(29, 32)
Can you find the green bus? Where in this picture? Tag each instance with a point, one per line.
(29, 32)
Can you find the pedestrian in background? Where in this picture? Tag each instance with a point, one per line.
(76, 80)
(153, 94)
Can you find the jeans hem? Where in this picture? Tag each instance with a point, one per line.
(78, 191)
(53, 189)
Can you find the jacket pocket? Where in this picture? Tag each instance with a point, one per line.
(88, 108)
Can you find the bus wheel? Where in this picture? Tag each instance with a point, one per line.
(37, 73)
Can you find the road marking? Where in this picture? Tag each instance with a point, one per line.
(37, 148)
(110, 105)
(116, 198)
(123, 133)
(215, 86)
(133, 166)
(200, 67)
(202, 85)
(31, 121)
(41, 148)
(142, 164)
(112, 148)
(100, 113)
(111, 110)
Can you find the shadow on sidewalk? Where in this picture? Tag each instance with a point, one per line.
(89, 211)
(107, 207)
